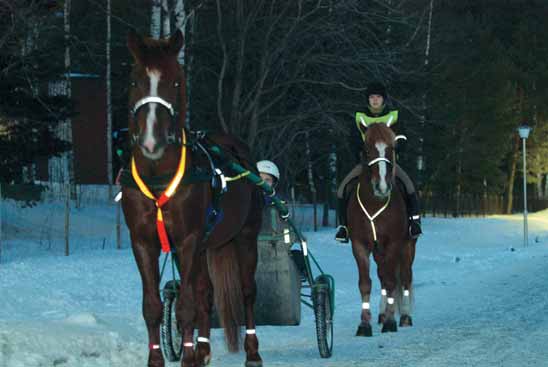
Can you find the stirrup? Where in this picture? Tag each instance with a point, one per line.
(342, 234)
(415, 226)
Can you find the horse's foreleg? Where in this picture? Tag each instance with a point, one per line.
(361, 254)
(185, 308)
(389, 284)
(203, 290)
(247, 255)
(384, 293)
(406, 274)
(146, 257)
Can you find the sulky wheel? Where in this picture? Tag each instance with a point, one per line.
(171, 338)
(321, 297)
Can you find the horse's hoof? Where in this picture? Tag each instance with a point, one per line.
(155, 359)
(258, 363)
(203, 354)
(405, 320)
(253, 360)
(389, 326)
(364, 330)
(382, 317)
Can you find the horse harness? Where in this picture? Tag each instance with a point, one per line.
(370, 217)
(169, 184)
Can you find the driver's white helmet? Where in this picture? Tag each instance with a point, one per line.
(269, 167)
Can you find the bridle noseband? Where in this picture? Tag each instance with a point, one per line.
(146, 100)
(378, 160)
(174, 135)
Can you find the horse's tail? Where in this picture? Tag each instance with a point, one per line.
(224, 271)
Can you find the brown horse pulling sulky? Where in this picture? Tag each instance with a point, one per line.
(378, 224)
(174, 218)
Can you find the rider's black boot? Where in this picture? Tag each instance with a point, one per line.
(413, 210)
(342, 231)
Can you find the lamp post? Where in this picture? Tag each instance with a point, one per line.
(524, 131)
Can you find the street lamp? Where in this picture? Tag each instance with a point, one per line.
(524, 131)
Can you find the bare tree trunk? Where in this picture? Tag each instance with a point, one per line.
(156, 19)
(539, 193)
(67, 125)
(220, 113)
(166, 19)
(545, 193)
(311, 184)
(235, 116)
(458, 190)
(67, 220)
(108, 78)
(420, 157)
(1, 220)
(180, 23)
(512, 168)
(118, 226)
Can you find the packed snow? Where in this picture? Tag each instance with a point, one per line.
(480, 297)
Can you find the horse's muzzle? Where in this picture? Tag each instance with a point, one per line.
(382, 191)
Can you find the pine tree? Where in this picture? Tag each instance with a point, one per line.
(28, 113)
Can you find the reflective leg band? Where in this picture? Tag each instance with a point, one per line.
(383, 292)
(190, 345)
(250, 332)
(201, 339)
(406, 293)
(366, 306)
(153, 346)
(390, 300)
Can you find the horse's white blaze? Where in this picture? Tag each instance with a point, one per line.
(149, 140)
(381, 147)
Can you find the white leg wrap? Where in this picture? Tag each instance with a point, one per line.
(201, 339)
(250, 332)
(188, 345)
(384, 292)
(366, 306)
(390, 300)
(406, 293)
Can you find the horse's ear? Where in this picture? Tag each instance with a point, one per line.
(176, 42)
(135, 44)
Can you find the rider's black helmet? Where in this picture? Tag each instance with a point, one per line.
(376, 88)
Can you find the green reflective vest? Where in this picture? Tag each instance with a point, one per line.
(366, 121)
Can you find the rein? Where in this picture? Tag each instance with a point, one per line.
(165, 196)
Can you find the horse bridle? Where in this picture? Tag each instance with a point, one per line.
(174, 135)
(378, 160)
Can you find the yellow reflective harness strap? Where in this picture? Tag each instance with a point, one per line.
(371, 217)
(235, 178)
(166, 195)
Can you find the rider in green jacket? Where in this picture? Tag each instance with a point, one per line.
(378, 112)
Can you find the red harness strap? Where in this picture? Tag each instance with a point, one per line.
(166, 195)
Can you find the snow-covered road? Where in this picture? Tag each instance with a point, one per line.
(477, 303)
